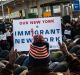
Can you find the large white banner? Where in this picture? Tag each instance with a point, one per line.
(25, 29)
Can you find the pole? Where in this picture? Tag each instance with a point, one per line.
(2, 11)
(71, 9)
(9, 12)
(39, 8)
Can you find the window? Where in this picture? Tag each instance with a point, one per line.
(56, 9)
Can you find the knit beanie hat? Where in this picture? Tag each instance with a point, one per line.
(38, 38)
(38, 52)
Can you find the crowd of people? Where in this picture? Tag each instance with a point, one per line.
(40, 60)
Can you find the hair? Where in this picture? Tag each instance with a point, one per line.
(35, 38)
(19, 70)
(78, 42)
(38, 38)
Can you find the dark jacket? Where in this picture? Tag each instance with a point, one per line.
(74, 63)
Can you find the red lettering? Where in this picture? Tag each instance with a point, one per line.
(23, 23)
(48, 21)
(31, 22)
(35, 22)
(26, 22)
(38, 22)
(20, 23)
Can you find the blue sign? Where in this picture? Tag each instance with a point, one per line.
(76, 4)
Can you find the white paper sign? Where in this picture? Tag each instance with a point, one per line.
(25, 29)
(68, 32)
(4, 37)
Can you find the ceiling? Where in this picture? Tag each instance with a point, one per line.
(18, 3)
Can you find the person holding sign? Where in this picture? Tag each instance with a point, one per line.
(38, 53)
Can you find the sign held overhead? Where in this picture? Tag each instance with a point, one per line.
(25, 29)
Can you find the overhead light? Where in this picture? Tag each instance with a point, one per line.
(2, 0)
(22, 0)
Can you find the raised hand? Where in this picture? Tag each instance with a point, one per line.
(12, 56)
(63, 47)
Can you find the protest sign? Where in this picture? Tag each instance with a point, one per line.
(25, 29)
(76, 5)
